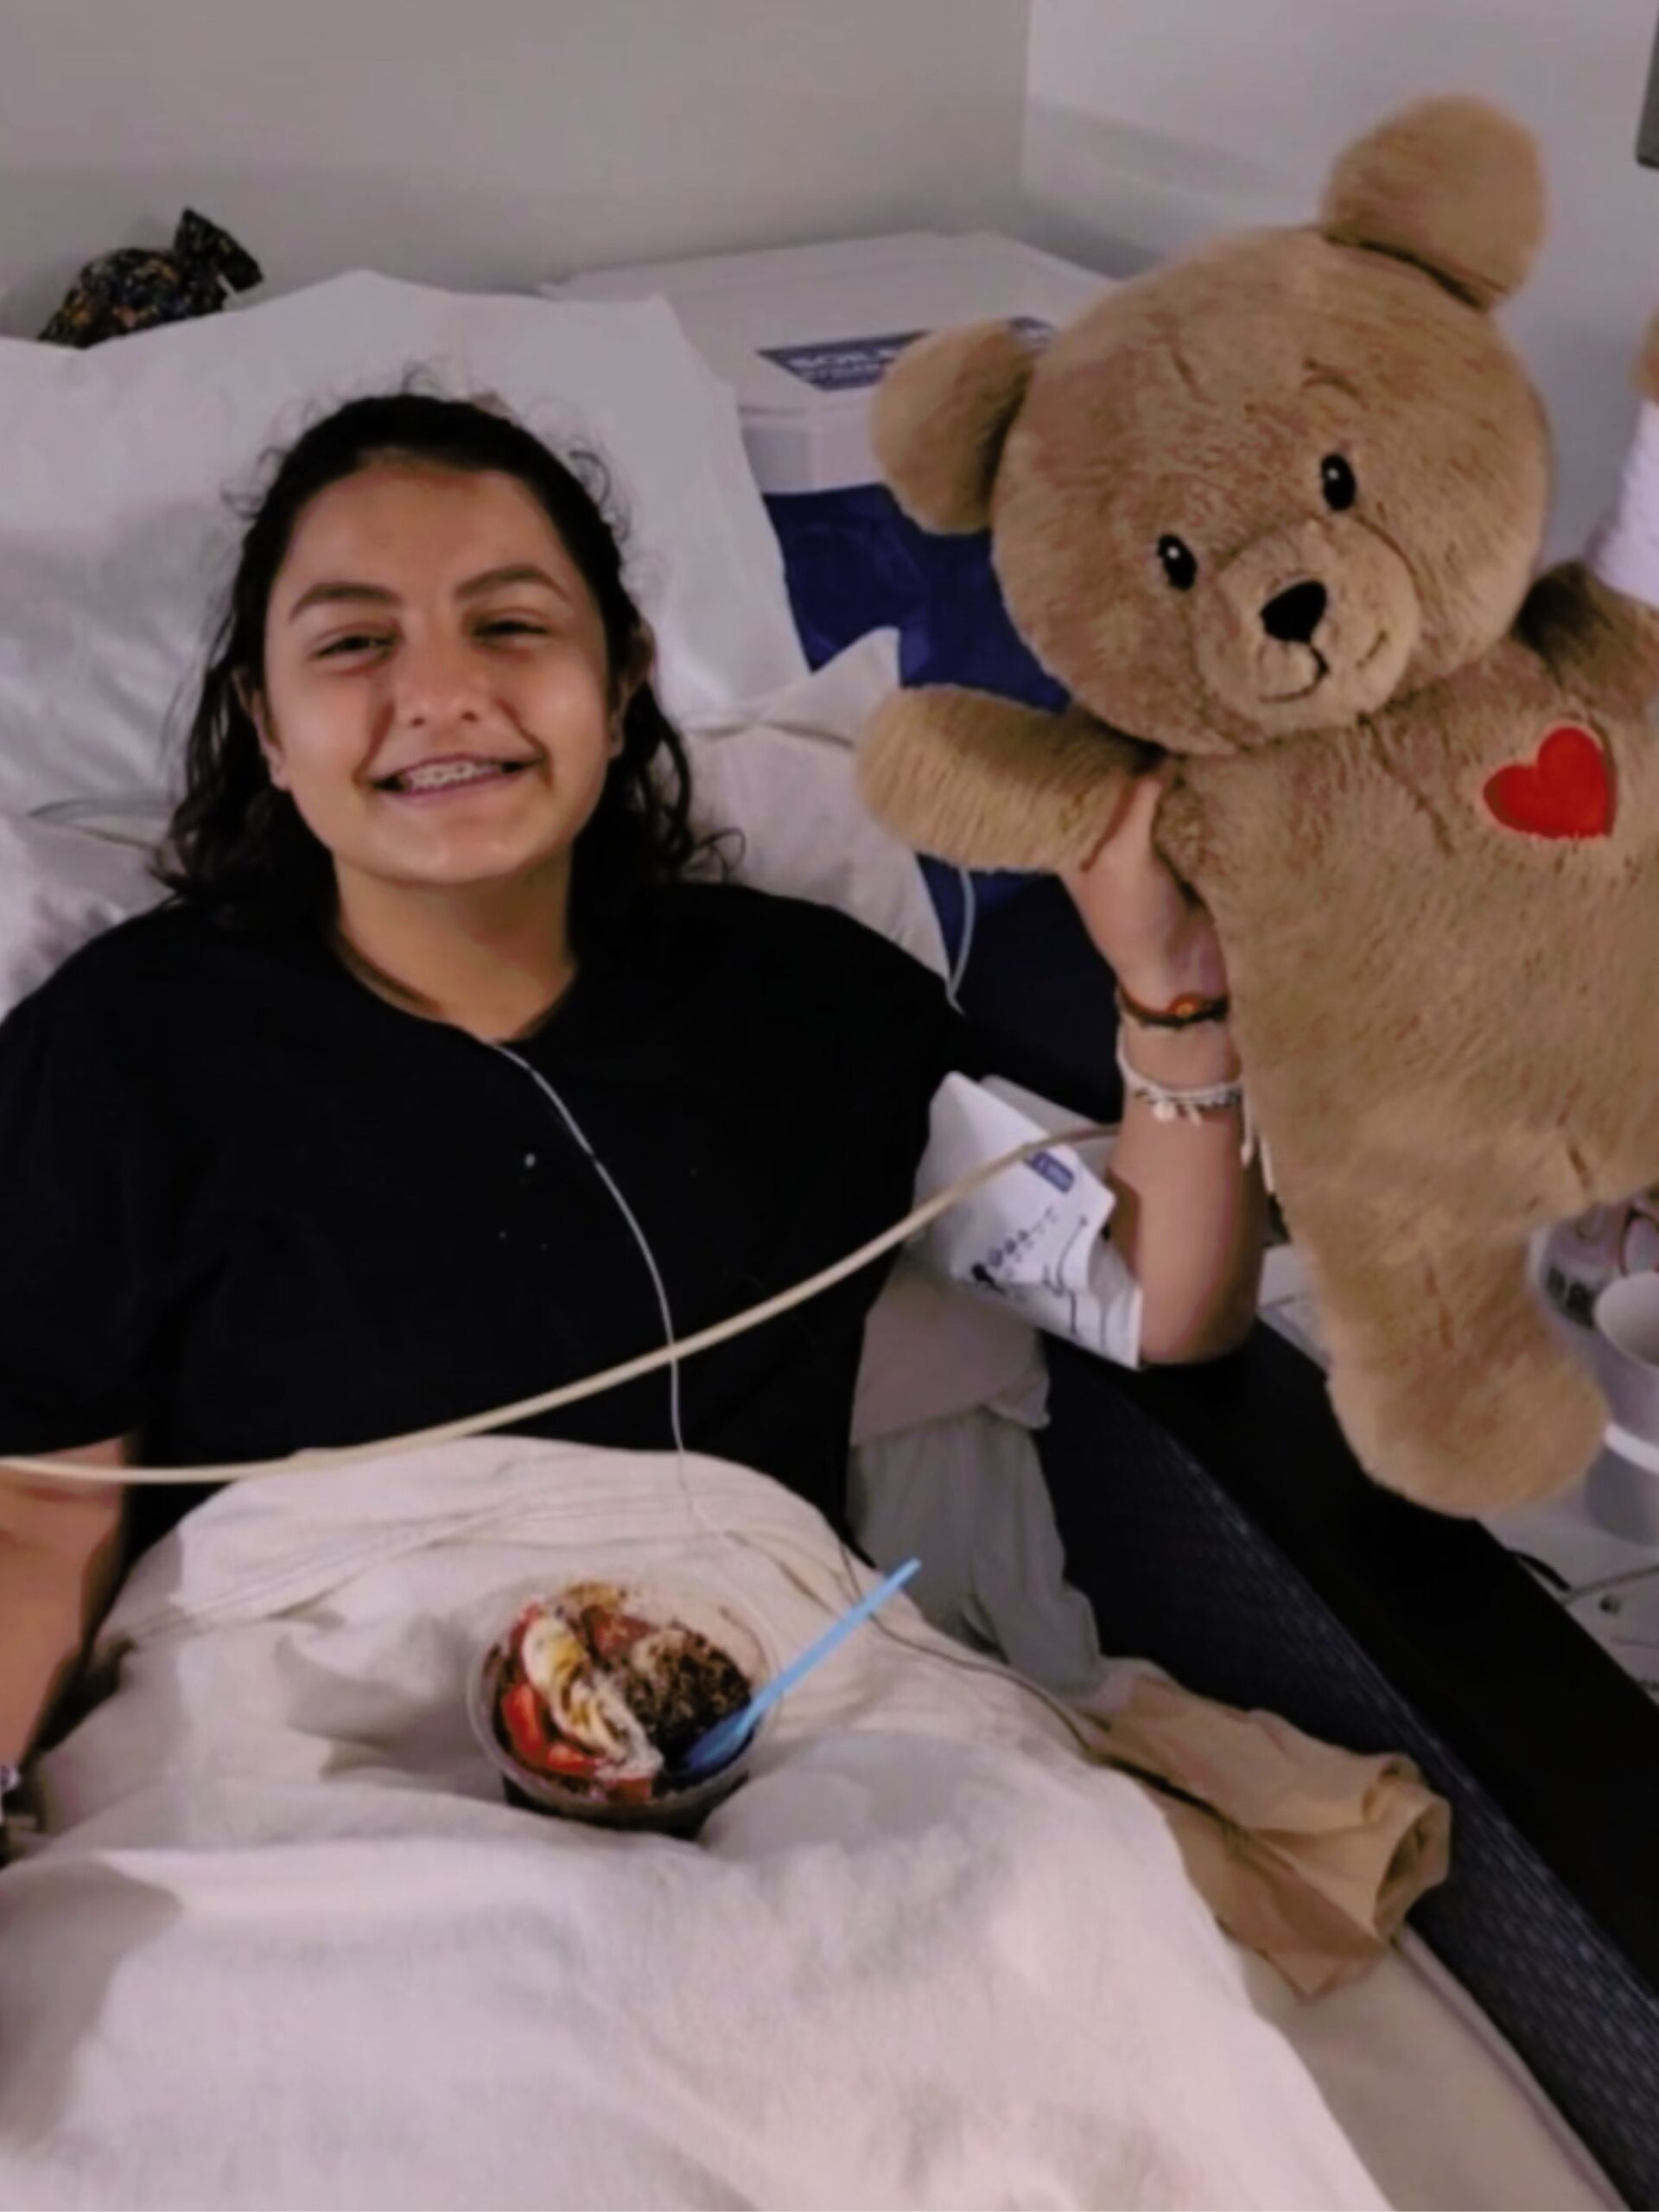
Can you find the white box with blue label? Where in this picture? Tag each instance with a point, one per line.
(802, 334)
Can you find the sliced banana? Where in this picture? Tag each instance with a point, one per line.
(585, 1704)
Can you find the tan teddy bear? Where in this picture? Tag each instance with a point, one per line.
(1276, 508)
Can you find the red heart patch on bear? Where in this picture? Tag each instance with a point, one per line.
(1565, 791)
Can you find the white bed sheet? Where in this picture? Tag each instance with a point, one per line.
(289, 1947)
(307, 1630)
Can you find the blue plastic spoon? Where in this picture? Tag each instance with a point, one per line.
(728, 1737)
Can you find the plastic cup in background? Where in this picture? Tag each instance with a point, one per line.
(1627, 1331)
(660, 1599)
(1622, 1493)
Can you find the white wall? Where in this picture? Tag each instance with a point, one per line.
(481, 143)
(486, 142)
(1151, 123)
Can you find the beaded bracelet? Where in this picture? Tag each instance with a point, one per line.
(1190, 1011)
(1168, 1105)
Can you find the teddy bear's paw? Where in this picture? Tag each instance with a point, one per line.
(1482, 1439)
(984, 783)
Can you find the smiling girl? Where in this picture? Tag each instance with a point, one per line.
(321, 1151)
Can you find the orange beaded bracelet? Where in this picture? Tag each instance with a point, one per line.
(1187, 1011)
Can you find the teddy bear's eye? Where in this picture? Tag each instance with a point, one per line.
(1179, 566)
(1337, 480)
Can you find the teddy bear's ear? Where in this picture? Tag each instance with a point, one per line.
(939, 418)
(1453, 184)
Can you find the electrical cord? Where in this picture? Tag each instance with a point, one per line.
(567, 1393)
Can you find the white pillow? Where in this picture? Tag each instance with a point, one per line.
(780, 771)
(59, 888)
(117, 536)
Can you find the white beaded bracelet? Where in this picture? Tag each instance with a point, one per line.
(1168, 1105)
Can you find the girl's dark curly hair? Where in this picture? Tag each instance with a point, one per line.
(238, 850)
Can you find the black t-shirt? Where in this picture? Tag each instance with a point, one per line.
(248, 1206)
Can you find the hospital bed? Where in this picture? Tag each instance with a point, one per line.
(1215, 1521)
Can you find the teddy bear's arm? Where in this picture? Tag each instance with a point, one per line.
(1596, 622)
(1600, 644)
(985, 782)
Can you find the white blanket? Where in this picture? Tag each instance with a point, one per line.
(289, 1947)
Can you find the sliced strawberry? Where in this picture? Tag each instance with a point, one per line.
(521, 1716)
(566, 1761)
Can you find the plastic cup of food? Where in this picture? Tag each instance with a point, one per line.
(679, 1656)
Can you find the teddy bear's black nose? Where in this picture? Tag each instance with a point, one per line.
(1292, 616)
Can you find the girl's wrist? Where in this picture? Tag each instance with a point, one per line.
(1173, 1023)
(1164, 985)
(1201, 1054)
